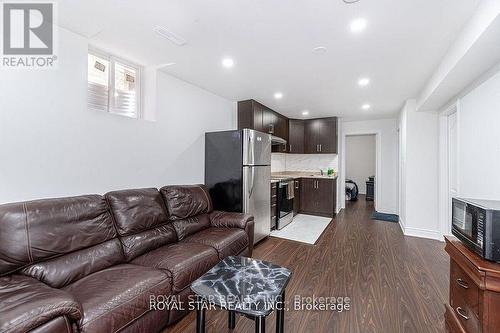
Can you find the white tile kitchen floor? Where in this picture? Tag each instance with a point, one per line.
(304, 228)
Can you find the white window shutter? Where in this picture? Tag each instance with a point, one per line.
(97, 98)
(124, 100)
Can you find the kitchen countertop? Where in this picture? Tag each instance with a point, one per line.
(301, 174)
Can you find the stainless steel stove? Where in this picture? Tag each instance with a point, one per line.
(284, 202)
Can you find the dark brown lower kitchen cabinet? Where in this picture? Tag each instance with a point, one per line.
(318, 196)
(296, 196)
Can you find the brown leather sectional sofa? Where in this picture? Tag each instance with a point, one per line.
(92, 263)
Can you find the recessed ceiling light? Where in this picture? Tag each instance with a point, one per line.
(363, 81)
(366, 106)
(305, 112)
(319, 49)
(227, 62)
(358, 25)
(278, 95)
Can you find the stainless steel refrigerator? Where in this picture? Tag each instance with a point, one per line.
(238, 174)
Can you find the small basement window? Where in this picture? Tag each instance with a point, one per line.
(114, 85)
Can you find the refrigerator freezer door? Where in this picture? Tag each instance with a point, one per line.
(257, 198)
(256, 148)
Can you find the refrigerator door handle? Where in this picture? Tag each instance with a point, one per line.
(251, 182)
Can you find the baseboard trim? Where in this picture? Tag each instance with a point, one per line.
(402, 225)
(421, 233)
(387, 210)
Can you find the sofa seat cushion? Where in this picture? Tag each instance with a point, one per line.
(185, 261)
(227, 241)
(115, 297)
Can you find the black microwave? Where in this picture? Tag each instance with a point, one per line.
(477, 224)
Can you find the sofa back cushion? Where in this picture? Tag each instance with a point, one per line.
(51, 239)
(188, 207)
(141, 220)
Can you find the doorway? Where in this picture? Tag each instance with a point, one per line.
(360, 169)
(448, 164)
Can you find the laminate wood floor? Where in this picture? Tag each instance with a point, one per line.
(396, 283)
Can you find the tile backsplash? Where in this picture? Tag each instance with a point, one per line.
(303, 162)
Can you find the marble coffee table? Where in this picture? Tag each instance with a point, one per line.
(247, 286)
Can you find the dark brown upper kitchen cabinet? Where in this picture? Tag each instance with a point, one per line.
(311, 136)
(252, 114)
(281, 127)
(318, 196)
(320, 136)
(311, 130)
(295, 136)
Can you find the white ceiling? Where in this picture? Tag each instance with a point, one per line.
(271, 42)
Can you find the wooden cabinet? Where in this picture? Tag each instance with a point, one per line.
(295, 136)
(312, 136)
(296, 196)
(269, 121)
(320, 136)
(318, 196)
(281, 127)
(254, 115)
(474, 301)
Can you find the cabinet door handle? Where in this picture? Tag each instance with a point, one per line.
(290, 148)
(320, 148)
(462, 283)
(462, 313)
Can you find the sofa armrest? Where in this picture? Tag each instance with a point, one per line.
(230, 219)
(26, 303)
(220, 219)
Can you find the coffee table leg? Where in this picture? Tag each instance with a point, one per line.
(231, 323)
(260, 324)
(280, 315)
(200, 319)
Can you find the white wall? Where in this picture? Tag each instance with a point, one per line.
(479, 141)
(360, 159)
(387, 160)
(303, 162)
(51, 145)
(478, 144)
(419, 131)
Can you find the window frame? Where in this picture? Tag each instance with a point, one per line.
(112, 59)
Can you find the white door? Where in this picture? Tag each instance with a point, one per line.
(452, 162)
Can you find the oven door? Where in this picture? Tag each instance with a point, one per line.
(285, 203)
